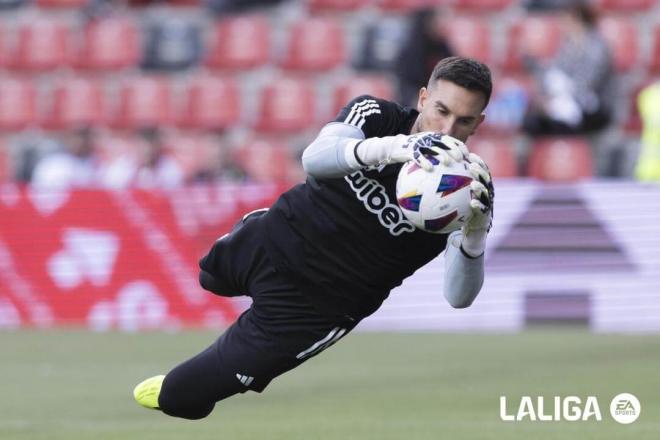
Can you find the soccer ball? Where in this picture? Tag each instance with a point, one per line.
(436, 201)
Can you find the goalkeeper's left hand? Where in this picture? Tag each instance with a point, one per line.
(482, 203)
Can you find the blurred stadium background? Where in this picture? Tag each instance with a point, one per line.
(98, 287)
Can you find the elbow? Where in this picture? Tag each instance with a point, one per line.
(460, 297)
(309, 164)
(305, 159)
(318, 164)
(462, 303)
(312, 168)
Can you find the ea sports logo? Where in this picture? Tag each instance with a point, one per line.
(625, 408)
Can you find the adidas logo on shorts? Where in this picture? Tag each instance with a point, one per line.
(245, 380)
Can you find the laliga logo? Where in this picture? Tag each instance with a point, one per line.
(568, 408)
(624, 408)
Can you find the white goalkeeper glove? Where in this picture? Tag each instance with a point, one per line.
(426, 149)
(482, 204)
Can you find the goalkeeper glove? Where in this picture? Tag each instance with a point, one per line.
(426, 149)
(482, 204)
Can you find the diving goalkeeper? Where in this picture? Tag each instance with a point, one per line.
(328, 252)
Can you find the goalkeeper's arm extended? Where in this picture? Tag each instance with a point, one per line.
(464, 258)
(341, 149)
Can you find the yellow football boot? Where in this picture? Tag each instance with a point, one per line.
(146, 392)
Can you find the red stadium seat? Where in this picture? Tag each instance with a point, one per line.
(621, 35)
(75, 102)
(561, 159)
(239, 43)
(286, 105)
(498, 153)
(469, 37)
(335, 5)
(17, 104)
(315, 44)
(210, 103)
(265, 160)
(42, 45)
(481, 5)
(143, 101)
(109, 44)
(61, 3)
(537, 36)
(625, 5)
(655, 53)
(374, 85)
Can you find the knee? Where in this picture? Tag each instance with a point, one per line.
(208, 282)
(183, 405)
(214, 285)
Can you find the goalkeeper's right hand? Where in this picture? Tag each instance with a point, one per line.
(426, 149)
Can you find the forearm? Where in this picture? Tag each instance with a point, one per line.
(464, 275)
(340, 149)
(326, 155)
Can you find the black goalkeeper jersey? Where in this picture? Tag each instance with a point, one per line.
(345, 241)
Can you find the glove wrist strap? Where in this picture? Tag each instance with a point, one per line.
(474, 242)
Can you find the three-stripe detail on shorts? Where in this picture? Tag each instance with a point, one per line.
(324, 343)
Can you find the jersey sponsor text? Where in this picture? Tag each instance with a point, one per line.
(374, 197)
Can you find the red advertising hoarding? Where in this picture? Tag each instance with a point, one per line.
(115, 260)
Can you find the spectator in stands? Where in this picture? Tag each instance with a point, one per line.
(151, 167)
(29, 151)
(648, 164)
(219, 164)
(576, 88)
(380, 43)
(424, 46)
(75, 165)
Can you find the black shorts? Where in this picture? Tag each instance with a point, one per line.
(281, 329)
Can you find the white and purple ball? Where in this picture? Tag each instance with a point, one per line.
(436, 201)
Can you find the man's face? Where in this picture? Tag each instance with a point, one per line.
(449, 109)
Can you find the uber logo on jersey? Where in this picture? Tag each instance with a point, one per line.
(374, 197)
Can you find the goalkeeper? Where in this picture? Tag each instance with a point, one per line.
(328, 252)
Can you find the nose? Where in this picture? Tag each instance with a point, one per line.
(450, 127)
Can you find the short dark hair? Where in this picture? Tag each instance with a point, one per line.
(464, 72)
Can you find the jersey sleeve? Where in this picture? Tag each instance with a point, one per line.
(374, 116)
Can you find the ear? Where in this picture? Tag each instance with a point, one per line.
(479, 121)
(423, 96)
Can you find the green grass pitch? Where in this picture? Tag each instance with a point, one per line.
(74, 385)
